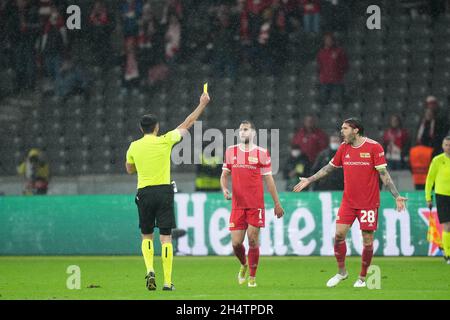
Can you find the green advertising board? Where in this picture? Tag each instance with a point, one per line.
(107, 224)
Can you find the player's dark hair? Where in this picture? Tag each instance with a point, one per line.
(148, 123)
(252, 125)
(355, 123)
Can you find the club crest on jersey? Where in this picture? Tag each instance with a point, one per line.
(364, 155)
(252, 160)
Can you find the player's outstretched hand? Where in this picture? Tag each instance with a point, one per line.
(400, 202)
(279, 212)
(204, 99)
(304, 182)
(227, 194)
(430, 205)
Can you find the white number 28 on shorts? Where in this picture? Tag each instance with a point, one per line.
(368, 216)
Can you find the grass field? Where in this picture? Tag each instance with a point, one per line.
(215, 278)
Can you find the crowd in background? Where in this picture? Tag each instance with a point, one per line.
(153, 40)
(35, 41)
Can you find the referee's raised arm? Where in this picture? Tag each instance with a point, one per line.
(189, 121)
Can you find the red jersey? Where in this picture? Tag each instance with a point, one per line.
(333, 65)
(361, 178)
(247, 169)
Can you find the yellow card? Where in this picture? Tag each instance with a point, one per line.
(205, 88)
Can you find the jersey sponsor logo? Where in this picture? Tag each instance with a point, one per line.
(252, 160)
(364, 155)
(244, 166)
(358, 163)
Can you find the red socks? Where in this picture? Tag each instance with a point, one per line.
(253, 258)
(366, 256)
(340, 250)
(239, 251)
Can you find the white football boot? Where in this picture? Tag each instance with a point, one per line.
(333, 282)
(360, 284)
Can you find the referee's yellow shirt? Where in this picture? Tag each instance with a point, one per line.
(439, 175)
(151, 156)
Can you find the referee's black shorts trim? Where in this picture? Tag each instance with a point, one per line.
(156, 208)
(443, 207)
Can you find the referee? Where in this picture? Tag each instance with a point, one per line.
(439, 176)
(149, 157)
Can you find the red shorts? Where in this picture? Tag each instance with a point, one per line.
(241, 218)
(368, 218)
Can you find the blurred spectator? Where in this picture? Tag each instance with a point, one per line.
(45, 10)
(150, 41)
(131, 13)
(208, 172)
(35, 169)
(335, 180)
(54, 44)
(297, 166)
(224, 32)
(332, 66)
(291, 9)
(72, 81)
(271, 45)
(101, 24)
(25, 30)
(251, 28)
(395, 142)
(251, 18)
(131, 70)
(173, 8)
(173, 39)
(420, 157)
(310, 139)
(311, 15)
(433, 126)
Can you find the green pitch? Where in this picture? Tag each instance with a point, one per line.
(215, 278)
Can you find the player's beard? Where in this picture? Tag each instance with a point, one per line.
(350, 138)
(245, 141)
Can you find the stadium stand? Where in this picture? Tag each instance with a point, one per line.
(392, 71)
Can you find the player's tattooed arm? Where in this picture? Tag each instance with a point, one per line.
(304, 182)
(322, 173)
(387, 181)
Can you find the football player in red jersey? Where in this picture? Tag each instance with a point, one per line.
(248, 166)
(363, 162)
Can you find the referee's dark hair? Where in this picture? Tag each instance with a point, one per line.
(148, 123)
(252, 125)
(355, 123)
